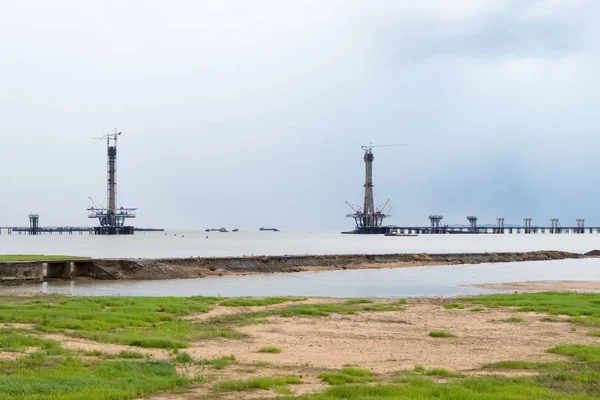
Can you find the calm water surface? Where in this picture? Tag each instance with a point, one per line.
(400, 282)
(195, 243)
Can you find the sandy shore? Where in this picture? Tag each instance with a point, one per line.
(543, 286)
(386, 343)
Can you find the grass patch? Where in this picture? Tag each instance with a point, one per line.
(358, 301)
(551, 319)
(256, 383)
(184, 358)
(422, 388)
(451, 306)
(590, 354)
(476, 309)
(419, 369)
(441, 334)
(512, 319)
(443, 373)
(217, 363)
(135, 355)
(270, 349)
(95, 353)
(136, 321)
(325, 309)
(14, 340)
(525, 365)
(260, 363)
(348, 375)
(39, 377)
(251, 302)
(583, 307)
(596, 334)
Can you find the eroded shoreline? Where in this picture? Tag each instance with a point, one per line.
(188, 268)
(147, 269)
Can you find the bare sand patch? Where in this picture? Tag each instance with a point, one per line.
(392, 341)
(542, 286)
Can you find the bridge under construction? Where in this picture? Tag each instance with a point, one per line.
(369, 219)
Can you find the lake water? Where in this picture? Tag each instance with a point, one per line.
(399, 282)
(196, 244)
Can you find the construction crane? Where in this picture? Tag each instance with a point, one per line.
(108, 137)
(380, 209)
(354, 208)
(371, 145)
(94, 206)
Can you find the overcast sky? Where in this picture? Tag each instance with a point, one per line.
(251, 113)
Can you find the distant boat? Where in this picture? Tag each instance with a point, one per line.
(270, 229)
(223, 230)
(235, 230)
(207, 230)
(216, 230)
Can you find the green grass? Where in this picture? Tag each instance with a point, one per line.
(325, 309)
(35, 257)
(443, 373)
(39, 377)
(476, 309)
(14, 340)
(183, 358)
(358, 301)
(255, 383)
(270, 349)
(135, 321)
(135, 355)
(584, 308)
(217, 363)
(464, 389)
(450, 306)
(251, 302)
(419, 369)
(348, 375)
(221, 362)
(590, 354)
(596, 334)
(261, 363)
(513, 319)
(526, 365)
(441, 334)
(94, 353)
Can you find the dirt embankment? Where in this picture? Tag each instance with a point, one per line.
(201, 267)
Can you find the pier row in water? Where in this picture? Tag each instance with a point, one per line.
(16, 273)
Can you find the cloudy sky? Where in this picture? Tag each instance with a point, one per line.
(251, 113)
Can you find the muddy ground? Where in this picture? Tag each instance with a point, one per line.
(150, 269)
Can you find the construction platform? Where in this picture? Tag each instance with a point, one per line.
(68, 230)
(428, 230)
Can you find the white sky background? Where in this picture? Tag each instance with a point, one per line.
(252, 113)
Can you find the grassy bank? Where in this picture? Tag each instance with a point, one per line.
(34, 257)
